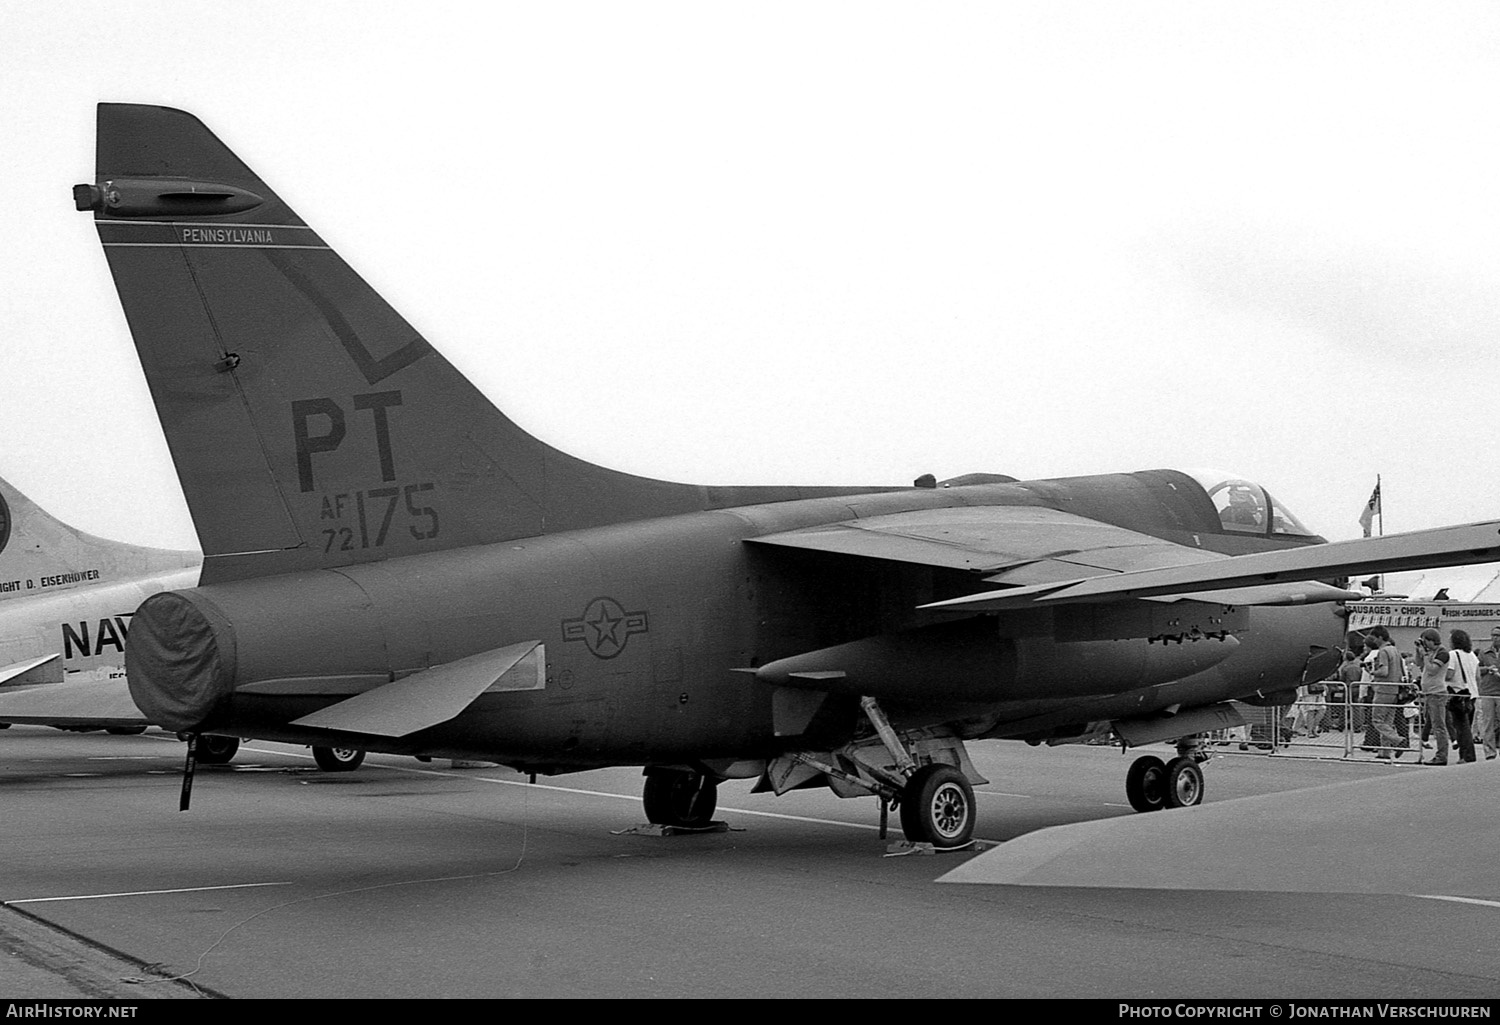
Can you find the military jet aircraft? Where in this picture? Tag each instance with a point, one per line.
(392, 563)
(66, 599)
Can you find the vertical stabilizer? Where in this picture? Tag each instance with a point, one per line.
(310, 424)
(40, 555)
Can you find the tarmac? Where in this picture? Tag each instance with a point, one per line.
(404, 880)
(38, 960)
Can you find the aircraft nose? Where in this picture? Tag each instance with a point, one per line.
(179, 659)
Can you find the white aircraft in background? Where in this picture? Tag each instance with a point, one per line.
(66, 599)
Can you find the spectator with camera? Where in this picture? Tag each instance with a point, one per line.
(1432, 665)
(1463, 688)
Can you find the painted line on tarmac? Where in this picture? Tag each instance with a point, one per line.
(628, 797)
(1459, 900)
(569, 790)
(623, 797)
(597, 793)
(138, 893)
(604, 793)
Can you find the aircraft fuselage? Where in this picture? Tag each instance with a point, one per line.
(648, 626)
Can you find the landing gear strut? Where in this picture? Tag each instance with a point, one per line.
(680, 797)
(936, 801)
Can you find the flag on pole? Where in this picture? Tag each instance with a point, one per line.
(1372, 510)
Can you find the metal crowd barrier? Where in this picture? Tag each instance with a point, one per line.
(1340, 728)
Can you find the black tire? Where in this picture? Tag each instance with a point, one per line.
(937, 806)
(677, 798)
(1146, 784)
(125, 731)
(338, 759)
(217, 750)
(1184, 783)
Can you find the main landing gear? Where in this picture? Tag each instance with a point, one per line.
(935, 801)
(923, 773)
(1152, 784)
(685, 798)
(937, 806)
(214, 750)
(338, 759)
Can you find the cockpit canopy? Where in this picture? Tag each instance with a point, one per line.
(1246, 507)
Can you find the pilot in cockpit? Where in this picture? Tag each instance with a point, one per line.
(1244, 509)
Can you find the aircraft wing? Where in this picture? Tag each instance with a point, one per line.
(94, 703)
(1036, 551)
(1237, 577)
(1021, 544)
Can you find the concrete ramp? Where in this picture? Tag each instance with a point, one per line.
(1428, 831)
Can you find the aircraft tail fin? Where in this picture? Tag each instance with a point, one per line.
(310, 424)
(39, 554)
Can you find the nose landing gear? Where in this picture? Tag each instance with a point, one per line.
(1152, 784)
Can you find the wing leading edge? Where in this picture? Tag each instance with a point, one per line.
(1245, 576)
(1025, 544)
(1038, 551)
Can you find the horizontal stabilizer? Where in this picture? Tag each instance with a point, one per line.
(46, 669)
(434, 695)
(1422, 549)
(95, 703)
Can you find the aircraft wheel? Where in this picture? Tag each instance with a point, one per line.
(1184, 783)
(338, 759)
(676, 798)
(217, 750)
(937, 806)
(1146, 783)
(126, 731)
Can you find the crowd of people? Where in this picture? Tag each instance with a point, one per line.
(1456, 692)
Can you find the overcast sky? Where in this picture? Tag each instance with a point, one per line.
(824, 243)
